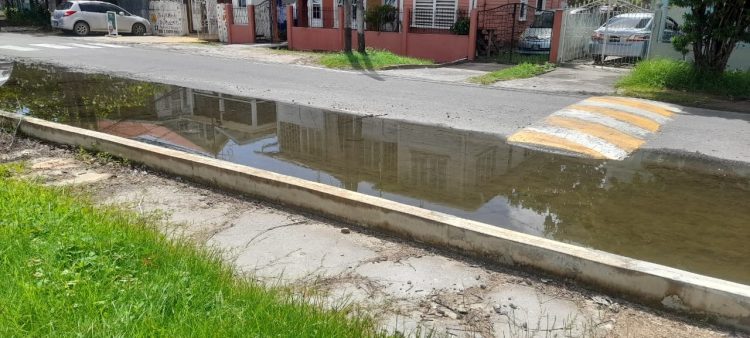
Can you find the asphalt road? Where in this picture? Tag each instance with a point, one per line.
(722, 135)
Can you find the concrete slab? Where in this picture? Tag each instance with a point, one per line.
(576, 80)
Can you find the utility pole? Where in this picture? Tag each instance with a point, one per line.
(347, 26)
(361, 26)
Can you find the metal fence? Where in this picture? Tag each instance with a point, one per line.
(439, 21)
(613, 32)
(263, 21)
(239, 14)
(383, 19)
(514, 33)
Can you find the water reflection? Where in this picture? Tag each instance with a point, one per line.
(684, 212)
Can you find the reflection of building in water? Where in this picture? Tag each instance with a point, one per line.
(431, 163)
(211, 120)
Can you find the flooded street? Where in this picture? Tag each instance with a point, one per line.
(685, 212)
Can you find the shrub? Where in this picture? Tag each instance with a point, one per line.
(462, 26)
(36, 15)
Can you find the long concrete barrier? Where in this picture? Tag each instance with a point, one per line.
(654, 285)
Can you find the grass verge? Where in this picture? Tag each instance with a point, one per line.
(373, 59)
(69, 268)
(679, 82)
(522, 71)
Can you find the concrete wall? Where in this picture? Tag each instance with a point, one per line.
(436, 47)
(740, 59)
(651, 284)
(168, 18)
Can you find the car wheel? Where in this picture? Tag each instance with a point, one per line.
(138, 29)
(597, 59)
(81, 28)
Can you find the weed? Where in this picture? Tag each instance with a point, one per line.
(11, 169)
(373, 59)
(72, 269)
(522, 71)
(656, 78)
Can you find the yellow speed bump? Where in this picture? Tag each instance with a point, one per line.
(541, 139)
(611, 135)
(633, 119)
(654, 108)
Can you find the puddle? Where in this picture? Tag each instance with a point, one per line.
(684, 212)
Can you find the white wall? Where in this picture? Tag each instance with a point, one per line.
(739, 60)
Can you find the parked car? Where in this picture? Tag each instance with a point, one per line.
(536, 38)
(84, 17)
(626, 35)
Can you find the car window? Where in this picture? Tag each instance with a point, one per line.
(625, 22)
(66, 5)
(671, 25)
(113, 8)
(543, 20)
(92, 7)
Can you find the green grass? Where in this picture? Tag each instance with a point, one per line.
(68, 268)
(516, 58)
(373, 59)
(679, 82)
(522, 71)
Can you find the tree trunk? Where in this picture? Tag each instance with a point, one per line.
(361, 26)
(347, 26)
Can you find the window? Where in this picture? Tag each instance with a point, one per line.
(66, 5)
(434, 14)
(522, 10)
(540, 4)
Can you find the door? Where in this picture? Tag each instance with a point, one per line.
(95, 15)
(315, 13)
(124, 22)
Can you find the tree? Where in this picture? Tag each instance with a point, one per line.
(347, 26)
(361, 26)
(713, 28)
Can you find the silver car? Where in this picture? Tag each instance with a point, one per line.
(625, 35)
(536, 38)
(84, 17)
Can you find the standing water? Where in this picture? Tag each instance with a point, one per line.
(685, 212)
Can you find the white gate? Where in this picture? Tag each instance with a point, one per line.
(609, 32)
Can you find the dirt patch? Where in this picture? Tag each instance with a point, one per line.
(408, 287)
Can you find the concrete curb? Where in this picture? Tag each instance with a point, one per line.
(655, 285)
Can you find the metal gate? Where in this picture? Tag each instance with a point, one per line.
(263, 21)
(514, 33)
(607, 32)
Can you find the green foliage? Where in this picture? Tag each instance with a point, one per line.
(373, 59)
(36, 15)
(667, 74)
(70, 269)
(522, 71)
(462, 26)
(712, 29)
(383, 18)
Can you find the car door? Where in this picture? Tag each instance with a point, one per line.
(125, 21)
(95, 15)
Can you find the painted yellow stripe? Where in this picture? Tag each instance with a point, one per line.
(633, 119)
(634, 104)
(622, 140)
(532, 137)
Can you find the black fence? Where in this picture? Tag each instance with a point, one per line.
(383, 18)
(439, 21)
(514, 33)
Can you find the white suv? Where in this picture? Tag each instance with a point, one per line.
(83, 17)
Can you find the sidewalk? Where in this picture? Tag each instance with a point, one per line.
(404, 285)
